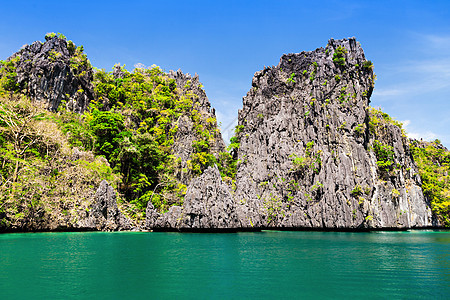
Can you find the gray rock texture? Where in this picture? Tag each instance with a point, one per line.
(99, 212)
(188, 82)
(306, 150)
(308, 155)
(187, 134)
(104, 214)
(208, 205)
(55, 71)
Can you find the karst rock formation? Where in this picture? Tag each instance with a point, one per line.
(309, 156)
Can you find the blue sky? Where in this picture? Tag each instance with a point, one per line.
(226, 42)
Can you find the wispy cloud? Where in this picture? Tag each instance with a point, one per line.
(428, 71)
(422, 77)
(437, 67)
(227, 124)
(436, 41)
(426, 135)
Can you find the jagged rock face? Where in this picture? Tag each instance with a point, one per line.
(311, 155)
(397, 199)
(183, 79)
(186, 133)
(306, 155)
(208, 204)
(104, 214)
(51, 72)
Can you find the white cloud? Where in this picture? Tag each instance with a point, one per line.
(424, 71)
(420, 77)
(427, 135)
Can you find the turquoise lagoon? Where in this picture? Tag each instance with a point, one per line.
(248, 265)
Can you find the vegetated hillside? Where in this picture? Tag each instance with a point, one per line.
(433, 161)
(156, 130)
(147, 132)
(45, 184)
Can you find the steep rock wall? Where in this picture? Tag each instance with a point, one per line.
(104, 214)
(306, 156)
(312, 154)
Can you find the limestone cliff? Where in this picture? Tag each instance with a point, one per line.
(433, 161)
(104, 214)
(307, 151)
(54, 71)
(312, 154)
(308, 155)
(152, 131)
(187, 134)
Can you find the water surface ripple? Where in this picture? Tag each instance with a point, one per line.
(281, 265)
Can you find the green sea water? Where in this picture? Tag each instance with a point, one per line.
(262, 265)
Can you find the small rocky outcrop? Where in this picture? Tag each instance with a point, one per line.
(53, 72)
(104, 214)
(208, 205)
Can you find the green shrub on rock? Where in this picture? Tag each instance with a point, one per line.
(433, 161)
(339, 56)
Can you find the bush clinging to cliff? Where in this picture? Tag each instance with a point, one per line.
(433, 160)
